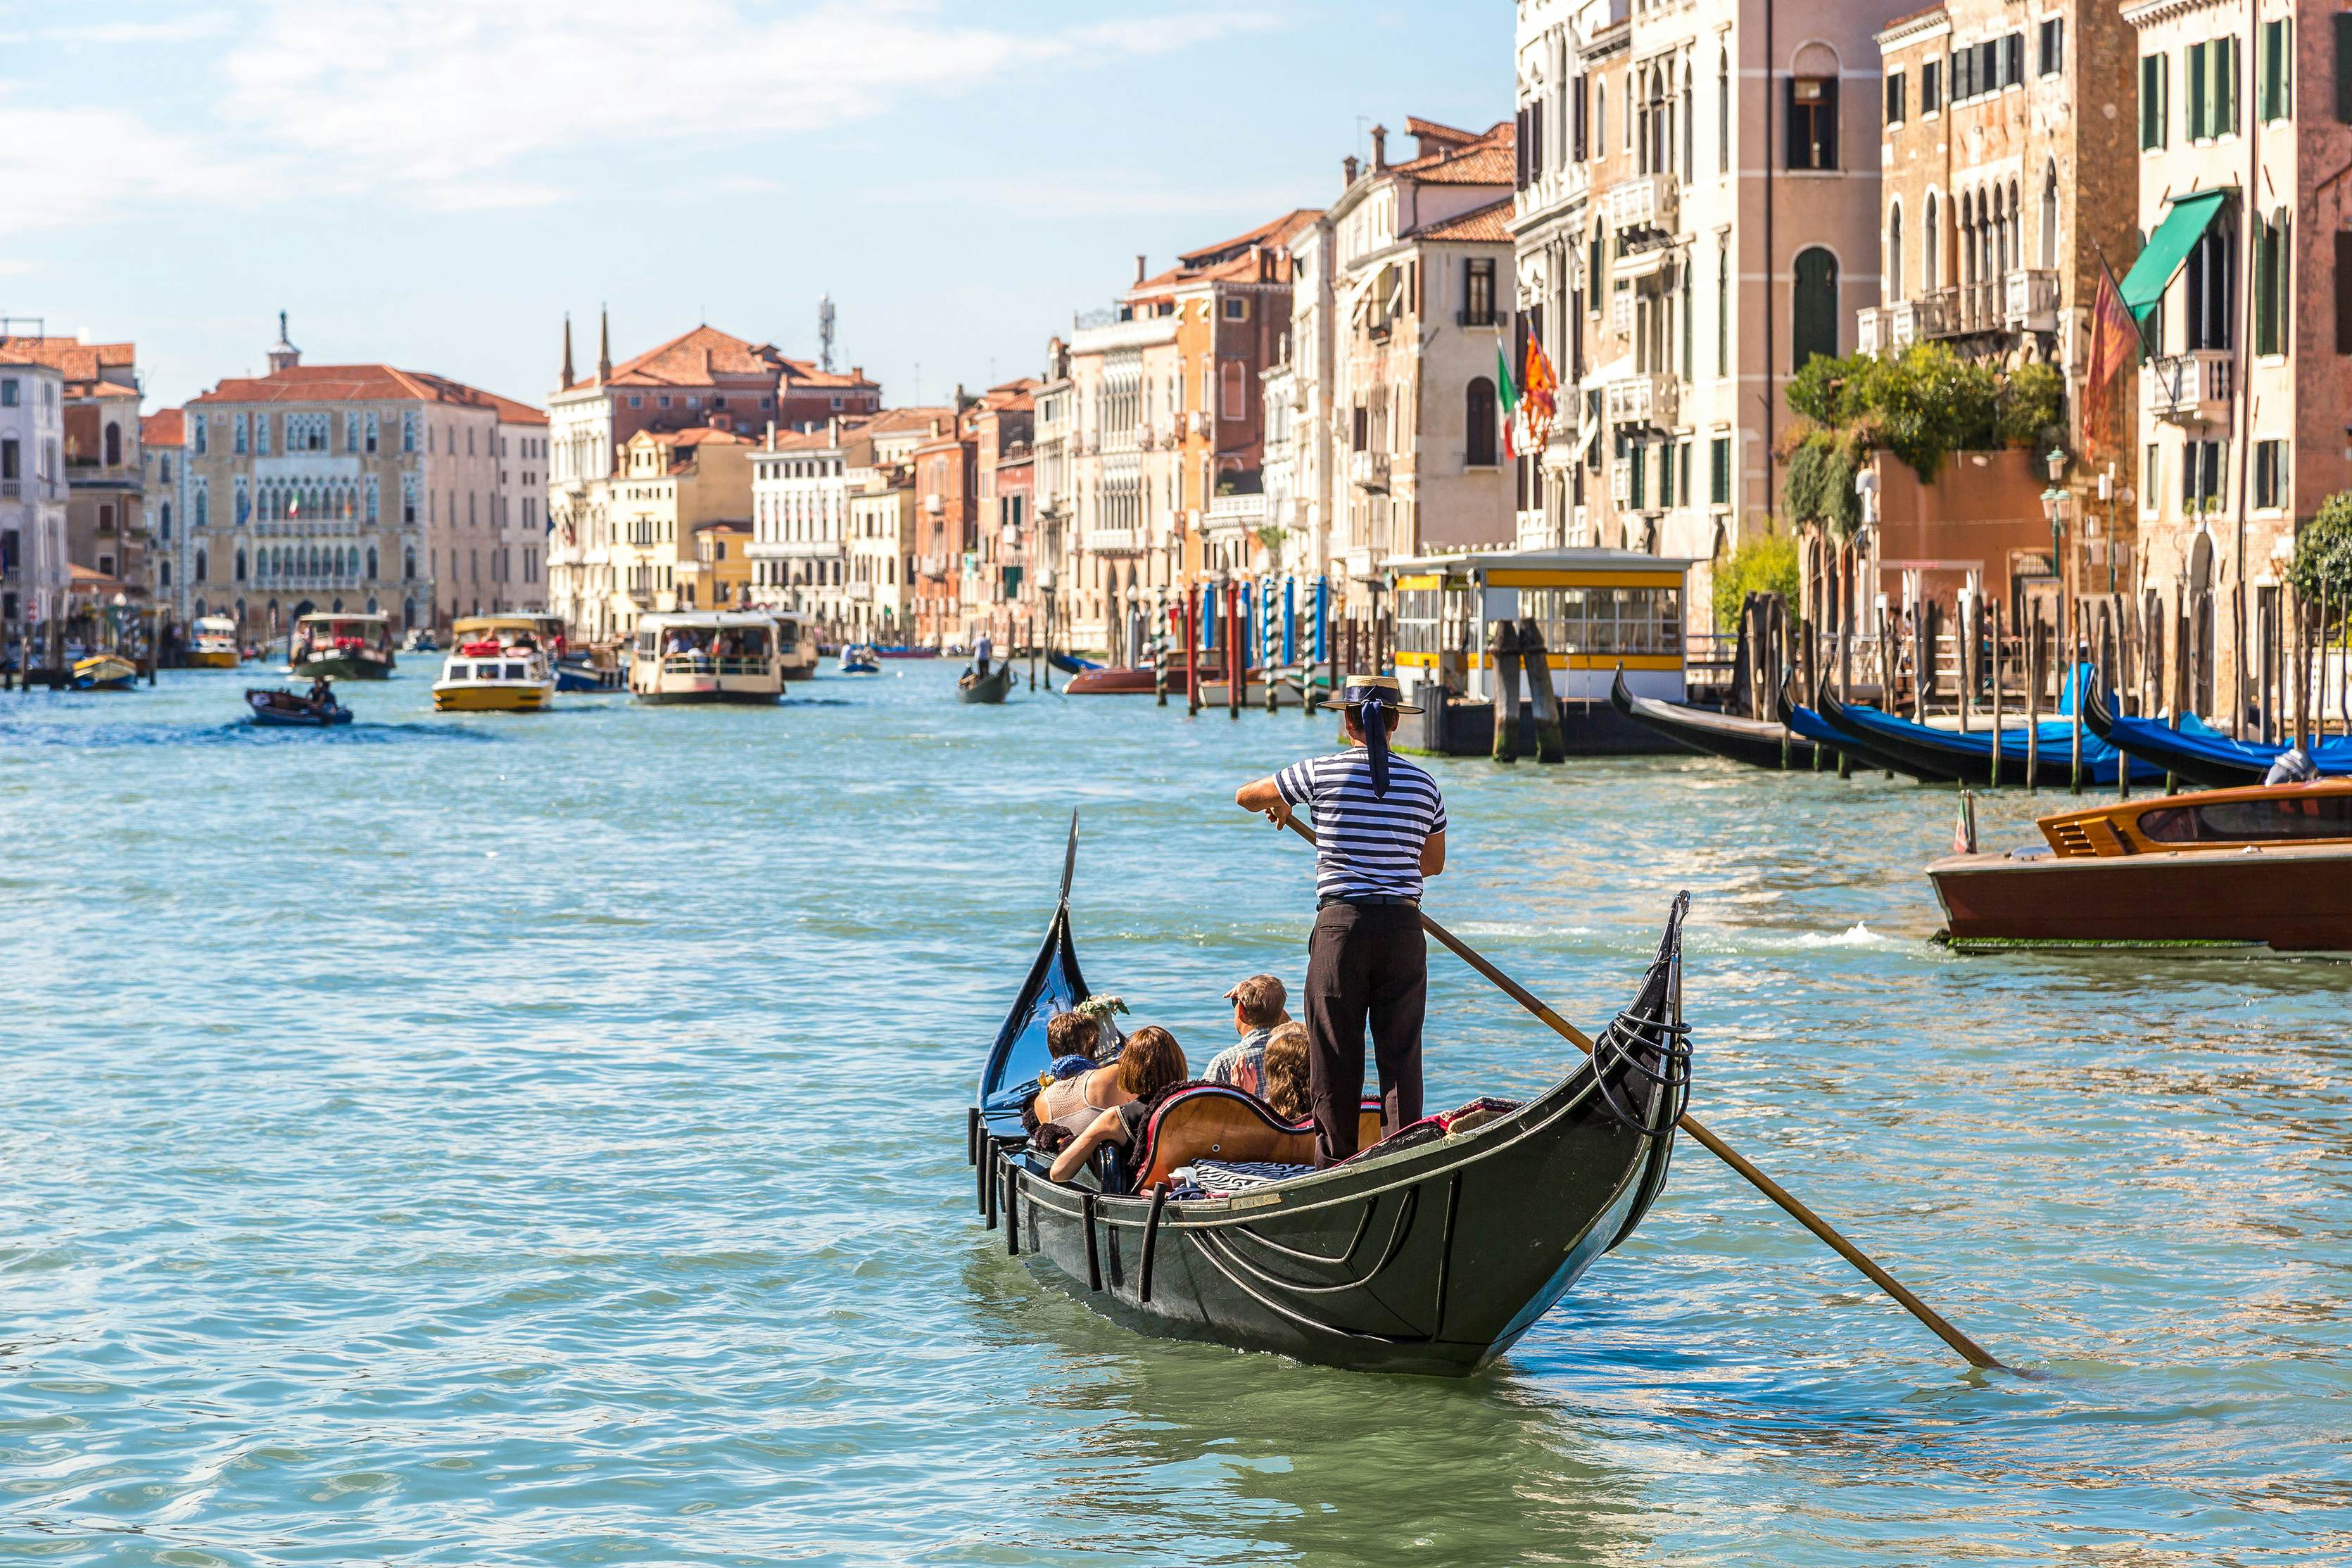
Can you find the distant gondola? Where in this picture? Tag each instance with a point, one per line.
(1760, 743)
(2199, 753)
(275, 710)
(1070, 663)
(1968, 753)
(1835, 740)
(1430, 1252)
(989, 687)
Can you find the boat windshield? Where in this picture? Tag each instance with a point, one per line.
(2269, 819)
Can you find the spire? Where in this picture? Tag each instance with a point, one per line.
(603, 344)
(567, 350)
(284, 355)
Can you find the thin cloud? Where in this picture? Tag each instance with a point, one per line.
(188, 29)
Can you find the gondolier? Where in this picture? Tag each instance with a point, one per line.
(1380, 825)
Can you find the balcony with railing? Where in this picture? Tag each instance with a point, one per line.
(2030, 300)
(1644, 202)
(1644, 399)
(2194, 388)
(1368, 470)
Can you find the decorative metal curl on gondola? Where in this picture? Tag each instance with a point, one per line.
(1650, 1031)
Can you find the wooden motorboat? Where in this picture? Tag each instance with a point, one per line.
(1760, 743)
(991, 686)
(276, 709)
(2201, 755)
(1430, 1251)
(1105, 680)
(215, 645)
(2257, 865)
(341, 647)
(103, 672)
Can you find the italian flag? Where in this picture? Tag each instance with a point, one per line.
(1508, 392)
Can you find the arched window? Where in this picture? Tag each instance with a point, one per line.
(1894, 282)
(408, 564)
(113, 445)
(371, 571)
(200, 577)
(1813, 308)
(1690, 127)
(240, 566)
(1930, 279)
(1478, 422)
(408, 611)
(164, 520)
(1600, 118)
(163, 572)
(1723, 111)
(2049, 215)
(203, 573)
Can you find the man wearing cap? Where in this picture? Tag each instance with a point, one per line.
(1380, 826)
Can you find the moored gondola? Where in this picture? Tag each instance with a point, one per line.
(1968, 754)
(2199, 753)
(989, 687)
(1760, 743)
(1834, 741)
(1431, 1251)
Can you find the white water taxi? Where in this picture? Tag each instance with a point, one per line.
(215, 644)
(797, 654)
(707, 656)
(500, 665)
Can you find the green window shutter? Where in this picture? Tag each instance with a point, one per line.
(2195, 130)
(2163, 100)
(2268, 109)
(2265, 287)
(2147, 101)
(1719, 471)
(2225, 86)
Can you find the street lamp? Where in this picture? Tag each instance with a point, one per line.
(2056, 503)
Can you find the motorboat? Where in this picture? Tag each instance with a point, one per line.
(342, 646)
(215, 645)
(2258, 865)
(103, 672)
(276, 709)
(857, 658)
(797, 653)
(707, 656)
(500, 665)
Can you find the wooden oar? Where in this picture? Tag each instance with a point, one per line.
(1973, 1352)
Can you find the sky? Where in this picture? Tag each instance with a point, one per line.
(434, 184)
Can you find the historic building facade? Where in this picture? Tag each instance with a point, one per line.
(33, 561)
(107, 543)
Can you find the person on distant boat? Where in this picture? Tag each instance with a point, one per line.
(681, 643)
(983, 648)
(1379, 824)
(323, 692)
(1150, 1062)
(1258, 1006)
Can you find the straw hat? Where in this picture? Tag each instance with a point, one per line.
(1360, 688)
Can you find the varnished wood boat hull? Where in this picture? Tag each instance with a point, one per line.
(2291, 897)
(1114, 682)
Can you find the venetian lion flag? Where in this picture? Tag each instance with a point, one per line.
(1541, 386)
(1508, 394)
(2115, 345)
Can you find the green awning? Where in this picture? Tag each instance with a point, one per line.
(2167, 249)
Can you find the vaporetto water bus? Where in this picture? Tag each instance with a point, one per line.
(342, 646)
(707, 656)
(502, 664)
(216, 643)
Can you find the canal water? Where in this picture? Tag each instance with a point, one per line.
(539, 1140)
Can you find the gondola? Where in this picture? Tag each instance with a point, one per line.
(989, 687)
(2201, 755)
(1070, 663)
(275, 710)
(1759, 743)
(1807, 722)
(1431, 1251)
(1968, 753)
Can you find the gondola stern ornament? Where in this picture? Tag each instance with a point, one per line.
(1070, 858)
(1371, 699)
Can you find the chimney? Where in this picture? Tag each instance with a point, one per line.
(772, 434)
(1348, 171)
(857, 372)
(1138, 270)
(1380, 148)
(567, 350)
(833, 430)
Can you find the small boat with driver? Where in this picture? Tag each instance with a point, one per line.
(1431, 1250)
(973, 687)
(103, 672)
(342, 646)
(276, 709)
(857, 658)
(2259, 865)
(215, 644)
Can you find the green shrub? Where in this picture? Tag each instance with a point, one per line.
(2323, 556)
(1818, 488)
(1764, 564)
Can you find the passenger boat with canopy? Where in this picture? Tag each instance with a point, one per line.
(215, 644)
(705, 655)
(501, 664)
(1430, 1251)
(2266, 865)
(342, 646)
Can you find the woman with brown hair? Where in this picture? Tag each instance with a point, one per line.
(1152, 1061)
(1282, 1083)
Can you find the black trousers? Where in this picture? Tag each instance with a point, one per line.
(1365, 964)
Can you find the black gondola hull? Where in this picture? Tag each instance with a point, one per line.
(2149, 746)
(1870, 749)
(1758, 742)
(989, 687)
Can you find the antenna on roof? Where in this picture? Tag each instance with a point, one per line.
(824, 334)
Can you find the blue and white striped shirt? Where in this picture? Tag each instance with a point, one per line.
(1367, 845)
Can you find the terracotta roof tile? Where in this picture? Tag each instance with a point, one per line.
(696, 358)
(164, 427)
(1269, 233)
(75, 360)
(1478, 223)
(364, 383)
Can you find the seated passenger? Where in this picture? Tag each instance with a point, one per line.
(1258, 1007)
(1285, 1080)
(1152, 1061)
(1072, 1035)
